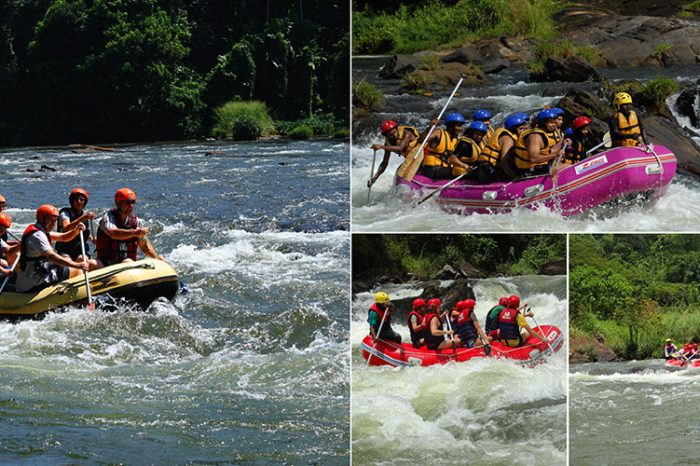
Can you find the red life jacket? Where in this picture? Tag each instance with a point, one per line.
(24, 257)
(508, 325)
(417, 334)
(112, 251)
(464, 325)
(431, 339)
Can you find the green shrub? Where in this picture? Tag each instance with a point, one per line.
(341, 132)
(242, 121)
(301, 132)
(434, 23)
(322, 125)
(365, 95)
(657, 90)
(416, 81)
(661, 50)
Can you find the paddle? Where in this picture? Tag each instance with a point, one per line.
(452, 338)
(410, 166)
(371, 175)
(379, 332)
(12, 269)
(435, 191)
(606, 141)
(545, 338)
(91, 303)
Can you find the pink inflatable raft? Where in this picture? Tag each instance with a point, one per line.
(615, 173)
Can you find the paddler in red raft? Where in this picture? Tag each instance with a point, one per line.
(415, 323)
(467, 326)
(513, 329)
(433, 320)
(379, 319)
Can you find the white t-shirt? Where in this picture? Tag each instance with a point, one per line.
(109, 221)
(37, 245)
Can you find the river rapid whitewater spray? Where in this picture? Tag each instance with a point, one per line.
(479, 412)
(636, 412)
(249, 367)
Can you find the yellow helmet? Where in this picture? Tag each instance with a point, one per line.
(381, 298)
(622, 98)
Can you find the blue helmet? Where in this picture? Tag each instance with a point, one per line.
(481, 115)
(515, 119)
(479, 126)
(557, 111)
(454, 117)
(569, 132)
(546, 115)
(524, 115)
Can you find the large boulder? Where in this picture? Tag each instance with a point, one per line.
(449, 273)
(632, 41)
(571, 69)
(399, 66)
(484, 55)
(688, 104)
(661, 130)
(577, 102)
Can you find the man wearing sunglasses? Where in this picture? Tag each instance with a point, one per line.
(121, 233)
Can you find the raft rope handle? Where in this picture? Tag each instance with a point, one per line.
(68, 286)
(649, 149)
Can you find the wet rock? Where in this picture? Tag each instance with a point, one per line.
(46, 168)
(484, 55)
(590, 349)
(399, 66)
(572, 69)
(448, 273)
(469, 270)
(661, 130)
(577, 102)
(688, 104)
(553, 268)
(632, 41)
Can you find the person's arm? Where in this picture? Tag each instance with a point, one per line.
(643, 133)
(506, 144)
(121, 234)
(534, 146)
(523, 323)
(147, 248)
(479, 330)
(55, 258)
(435, 331)
(373, 324)
(68, 225)
(415, 325)
(615, 131)
(67, 235)
(380, 170)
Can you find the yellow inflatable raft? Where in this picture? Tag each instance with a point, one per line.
(141, 282)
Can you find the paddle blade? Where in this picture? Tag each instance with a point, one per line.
(410, 166)
(487, 349)
(91, 306)
(606, 137)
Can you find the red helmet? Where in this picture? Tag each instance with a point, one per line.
(580, 122)
(78, 192)
(388, 125)
(459, 305)
(469, 303)
(5, 220)
(503, 301)
(46, 210)
(514, 301)
(434, 303)
(418, 302)
(124, 194)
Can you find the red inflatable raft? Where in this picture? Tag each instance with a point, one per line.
(533, 352)
(683, 364)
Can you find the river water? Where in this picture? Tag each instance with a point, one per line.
(636, 412)
(479, 412)
(249, 367)
(510, 92)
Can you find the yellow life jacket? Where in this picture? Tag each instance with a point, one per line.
(575, 153)
(436, 156)
(491, 152)
(627, 126)
(473, 151)
(520, 154)
(487, 136)
(401, 132)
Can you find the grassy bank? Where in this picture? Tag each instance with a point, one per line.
(433, 24)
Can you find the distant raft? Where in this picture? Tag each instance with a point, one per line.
(616, 173)
(530, 354)
(683, 364)
(140, 282)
